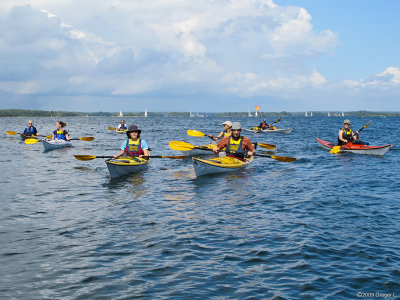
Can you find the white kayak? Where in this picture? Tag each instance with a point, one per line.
(126, 165)
(55, 144)
(278, 130)
(219, 165)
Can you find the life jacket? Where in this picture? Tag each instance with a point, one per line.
(134, 148)
(235, 146)
(227, 134)
(30, 130)
(60, 135)
(347, 135)
(263, 126)
(122, 127)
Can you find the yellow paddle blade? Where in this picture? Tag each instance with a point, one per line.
(284, 158)
(11, 133)
(180, 146)
(85, 157)
(335, 150)
(366, 125)
(195, 133)
(266, 146)
(31, 141)
(111, 128)
(174, 157)
(87, 138)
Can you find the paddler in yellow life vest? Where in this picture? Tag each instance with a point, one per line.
(226, 132)
(60, 133)
(134, 146)
(346, 135)
(236, 144)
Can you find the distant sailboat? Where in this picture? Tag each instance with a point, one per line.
(120, 114)
(257, 109)
(342, 114)
(250, 115)
(306, 114)
(310, 114)
(145, 113)
(200, 116)
(191, 115)
(329, 114)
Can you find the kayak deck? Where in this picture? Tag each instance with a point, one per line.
(126, 165)
(55, 144)
(219, 165)
(282, 130)
(356, 148)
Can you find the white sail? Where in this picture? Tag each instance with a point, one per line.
(306, 114)
(342, 114)
(329, 114)
(191, 115)
(256, 114)
(145, 112)
(310, 114)
(120, 114)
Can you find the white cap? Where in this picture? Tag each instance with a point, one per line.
(236, 125)
(228, 123)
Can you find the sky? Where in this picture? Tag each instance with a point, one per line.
(200, 55)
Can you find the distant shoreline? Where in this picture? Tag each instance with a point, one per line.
(23, 113)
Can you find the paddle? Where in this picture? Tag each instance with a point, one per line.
(336, 149)
(183, 146)
(199, 134)
(90, 157)
(15, 133)
(85, 138)
(111, 128)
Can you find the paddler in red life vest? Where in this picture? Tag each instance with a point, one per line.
(236, 143)
(226, 132)
(346, 135)
(134, 146)
(60, 133)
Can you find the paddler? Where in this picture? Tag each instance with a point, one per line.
(121, 126)
(236, 144)
(60, 133)
(226, 132)
(346, 135)
(134, 146)
(30, 130)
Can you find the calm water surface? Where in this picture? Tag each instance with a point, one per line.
(323, 227)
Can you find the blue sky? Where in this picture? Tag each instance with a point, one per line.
(203, 55)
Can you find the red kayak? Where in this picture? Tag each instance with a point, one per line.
(357, 148)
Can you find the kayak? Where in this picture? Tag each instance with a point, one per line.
(55, 144)
(126, 165)
(219, 165)
(24, 137)
(282, 130)
(357, 148)
(197, 152)
(121, 131)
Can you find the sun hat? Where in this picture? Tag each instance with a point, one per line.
(347, 121)
(133, 128)
(236, 126)
(228, 123)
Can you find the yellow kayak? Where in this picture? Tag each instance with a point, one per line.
(121, 131)
(219, 165)
(126, 165)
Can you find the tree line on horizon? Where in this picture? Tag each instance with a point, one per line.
(43, 113)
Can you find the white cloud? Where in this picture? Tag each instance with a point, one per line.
(240, 48)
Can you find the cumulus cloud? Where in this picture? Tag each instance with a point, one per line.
(242, 48)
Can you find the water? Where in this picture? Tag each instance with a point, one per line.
(323, 227)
